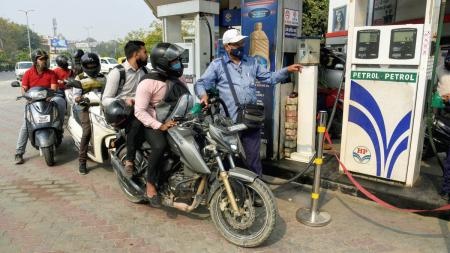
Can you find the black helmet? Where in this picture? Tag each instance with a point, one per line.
(447, 61)
(62, 61)
(163, 54)
(90, 64)
(38, 53)
(117, 113)
(77, 55)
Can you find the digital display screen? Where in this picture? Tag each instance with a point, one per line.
(404, 36)
(368, 37)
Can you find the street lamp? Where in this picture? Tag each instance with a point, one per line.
(28, 29)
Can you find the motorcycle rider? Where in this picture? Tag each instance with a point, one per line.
(121, 84)
(39, 75)
(443, 88)
(151, 91)
(62, 71)
(91, 80)
(76, 64)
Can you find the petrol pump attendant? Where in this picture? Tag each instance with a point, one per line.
(38, 76)
(244, 70)
(443, 73)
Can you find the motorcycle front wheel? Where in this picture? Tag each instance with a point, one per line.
(49, 155)
(257, 217)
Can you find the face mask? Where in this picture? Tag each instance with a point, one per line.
(237, 52)
(176, 66)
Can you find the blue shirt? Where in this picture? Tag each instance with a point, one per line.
(242, 75)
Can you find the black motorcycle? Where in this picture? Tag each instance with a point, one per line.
(199, 169)
(440, 130)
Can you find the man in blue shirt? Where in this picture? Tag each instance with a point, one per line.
(244, 71)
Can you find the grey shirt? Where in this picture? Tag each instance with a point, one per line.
(112, 90)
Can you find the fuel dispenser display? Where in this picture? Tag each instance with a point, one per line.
(403, 42)
(381, 113)
(368, 44)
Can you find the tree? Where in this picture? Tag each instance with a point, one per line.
(315, 16)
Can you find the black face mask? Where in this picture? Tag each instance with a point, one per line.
(237, 52)
(141, 63)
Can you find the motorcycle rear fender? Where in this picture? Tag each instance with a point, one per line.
(45, 137)
(237, 173)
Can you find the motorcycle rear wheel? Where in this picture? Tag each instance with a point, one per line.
(238, 230)
(49, 155)
(129, 192)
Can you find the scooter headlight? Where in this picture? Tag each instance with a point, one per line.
(101, 121)
(37, 95)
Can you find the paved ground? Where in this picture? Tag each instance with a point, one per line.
(54, 209)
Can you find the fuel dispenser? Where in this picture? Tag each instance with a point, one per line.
(385, 91)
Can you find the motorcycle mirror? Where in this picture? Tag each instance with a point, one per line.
(15, 84)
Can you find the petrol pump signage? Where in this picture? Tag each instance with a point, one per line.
(379, 122)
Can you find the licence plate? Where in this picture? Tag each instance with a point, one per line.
(43, 119)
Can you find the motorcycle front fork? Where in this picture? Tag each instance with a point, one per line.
(223, 174)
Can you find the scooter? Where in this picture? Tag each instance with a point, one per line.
(43, 123)
(199, 170)
(102, 133)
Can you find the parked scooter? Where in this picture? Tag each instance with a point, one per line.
(101, 131)
(43, 123)
(199, 170)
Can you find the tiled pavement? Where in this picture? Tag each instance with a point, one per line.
(53, 209)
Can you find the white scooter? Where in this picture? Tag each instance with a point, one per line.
(102, 133)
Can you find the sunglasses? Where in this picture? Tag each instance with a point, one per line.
(42, 58)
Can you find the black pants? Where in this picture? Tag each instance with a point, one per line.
(85, 136)
(135, 136)
(158, 142)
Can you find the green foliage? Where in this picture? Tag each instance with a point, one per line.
(14, 42)
(315, 16)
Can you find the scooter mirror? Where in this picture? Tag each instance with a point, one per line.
(15, 84)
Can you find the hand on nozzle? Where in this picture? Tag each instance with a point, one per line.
(204, 100)
(167, 125)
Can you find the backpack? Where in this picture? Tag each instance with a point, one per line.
(175, 89)
(122, 77)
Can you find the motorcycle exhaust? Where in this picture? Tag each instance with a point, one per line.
(185, 207)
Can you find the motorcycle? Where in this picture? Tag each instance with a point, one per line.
(199, 169)
(440, 130)
(102, 133)
(43, 124)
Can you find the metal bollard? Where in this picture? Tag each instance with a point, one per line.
(312, 216)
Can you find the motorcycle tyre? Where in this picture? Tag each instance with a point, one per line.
(137, 199)
(272, 213)
(49, 155)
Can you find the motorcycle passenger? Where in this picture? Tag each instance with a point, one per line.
(38, 76)
(76, 66)
(62, 71)
(151, 91)
(121, 84)
(243, 70)
(443, 73)
(91, 81)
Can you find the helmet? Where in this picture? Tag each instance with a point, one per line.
(117, 113)
(447, 61)
(78, 54)
(162, 57)
(90, 64)
(38, 53)
(62, 61)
